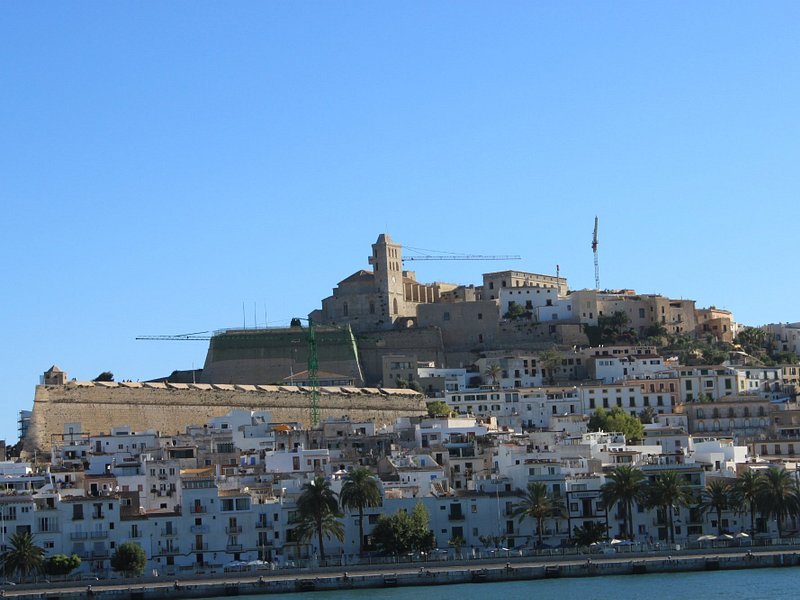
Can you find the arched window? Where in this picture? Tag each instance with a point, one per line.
(394, 305)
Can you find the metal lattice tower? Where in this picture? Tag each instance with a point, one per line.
(313, 374)
(596, 264)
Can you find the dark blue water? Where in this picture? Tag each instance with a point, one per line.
(755, 584)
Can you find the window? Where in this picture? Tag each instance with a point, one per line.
(446, 316)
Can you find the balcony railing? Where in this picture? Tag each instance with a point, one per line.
(199, 529)
(263, 525)
(79, 535)
(98, 535)
(171, 550)
(174, 532)
(455, 517)
(199, 547)
(197, 509)
(234, 547)
(233, 529)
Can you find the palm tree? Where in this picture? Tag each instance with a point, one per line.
(778, 495)
(493, 372)
(550, 360)
(669, 491)
(624, 485)
(360, 490)
(318, 506)
(327, 525)
(716, 497)
(23, 557)
(537, 504)
(746, 493)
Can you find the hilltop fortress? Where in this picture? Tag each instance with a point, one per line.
(391, 314)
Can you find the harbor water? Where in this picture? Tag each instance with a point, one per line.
(755, 584)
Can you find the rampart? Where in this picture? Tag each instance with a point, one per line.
(97, 407)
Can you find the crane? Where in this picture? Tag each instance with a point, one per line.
(594, 250)
(313, 360)
(181, 337)
(440, 255)
(465, 257)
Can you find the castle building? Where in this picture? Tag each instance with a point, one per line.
(384, 298)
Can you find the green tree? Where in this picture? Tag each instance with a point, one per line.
(437, 408)
(318, 508)
(656, 332)
(668, 491)
(717, 497)
(422, 537)
(129, 559)
(23, 558)
(624, 486)
(359, 491)
(403, 532)
(61, 564)
(516, 311)
(538, 504)
(589, 533)
(493, 372)
(746, 493)
(778, 495)
(550, 361)
(647, 415)
(392, 534)
(617, 420)
(786, 358)
(105, 376)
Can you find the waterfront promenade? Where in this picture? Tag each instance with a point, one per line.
(411, 574)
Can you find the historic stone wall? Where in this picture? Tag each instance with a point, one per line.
(169, 408)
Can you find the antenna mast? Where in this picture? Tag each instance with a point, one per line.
(596, 264)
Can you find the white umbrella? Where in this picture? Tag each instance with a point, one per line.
(706, 538)
(742, 534)
(726, 536)
(615, 541)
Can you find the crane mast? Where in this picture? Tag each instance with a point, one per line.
(594, 251)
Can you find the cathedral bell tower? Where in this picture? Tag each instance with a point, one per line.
(387, 264)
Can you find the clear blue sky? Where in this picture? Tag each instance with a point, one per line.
(161, 163)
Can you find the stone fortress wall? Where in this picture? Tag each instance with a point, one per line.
(169, 407)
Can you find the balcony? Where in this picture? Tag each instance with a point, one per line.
(100, 554)
(98, 535)
(455, 517)
(199, 547)
(233, 547)
(263, 525)
(171, 550)
(196, 509)
(199, 529)
(233, 529)
(174, 532)
(79, 535)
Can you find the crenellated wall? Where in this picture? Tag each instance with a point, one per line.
(169, 408)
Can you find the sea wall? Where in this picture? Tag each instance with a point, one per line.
(401, 575)
(97, 407)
